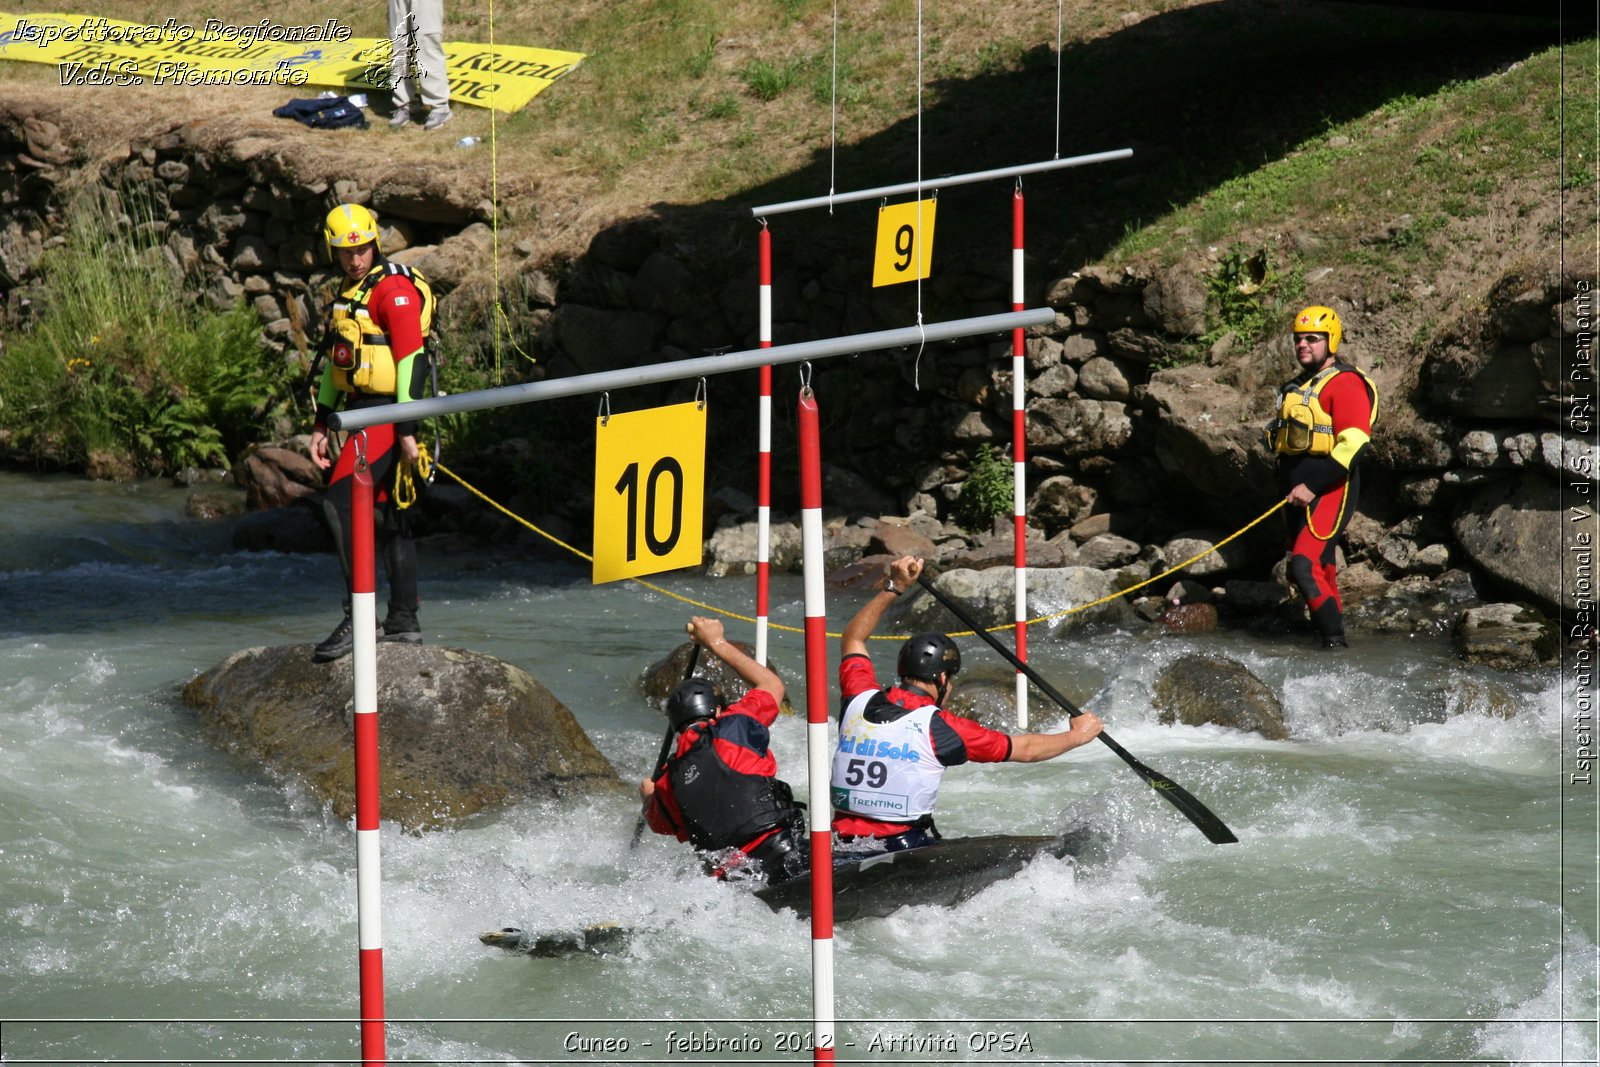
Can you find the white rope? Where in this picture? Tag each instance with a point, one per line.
(833, 132)
(1058, 80)
(922, 234)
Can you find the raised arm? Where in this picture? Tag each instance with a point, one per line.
(903, 574)
(709, 633)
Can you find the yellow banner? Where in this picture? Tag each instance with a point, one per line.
(904, 247)
(649, 491)
(94, 50)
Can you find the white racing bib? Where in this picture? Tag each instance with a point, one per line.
(885, 770)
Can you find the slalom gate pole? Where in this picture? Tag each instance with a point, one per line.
(764, 455)
(819, 807)
(369, 881)
(1019, 454)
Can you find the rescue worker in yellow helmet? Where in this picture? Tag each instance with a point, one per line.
(1324, 423)
(374, 341)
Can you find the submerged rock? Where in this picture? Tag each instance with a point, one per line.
(458, 731)
(1199, 690)
(662, 677)
(1506, 637)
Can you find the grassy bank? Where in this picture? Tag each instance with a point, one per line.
(1399, 158)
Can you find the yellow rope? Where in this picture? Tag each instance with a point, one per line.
(1149, 581)
(1343, 500)
(552, 538)
(405, 478)
(502, 322)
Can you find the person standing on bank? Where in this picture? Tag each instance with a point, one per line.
(895, 743)
(720, 788)
(1324, 423)
(416, 41)
(374, 340)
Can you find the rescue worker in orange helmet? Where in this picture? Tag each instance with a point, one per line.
(1324, 424)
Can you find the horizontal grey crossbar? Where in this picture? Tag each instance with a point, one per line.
(700, 366)
(933, 184)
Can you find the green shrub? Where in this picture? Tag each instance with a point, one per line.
(988, 491)
(122, 362)
(1247, 297)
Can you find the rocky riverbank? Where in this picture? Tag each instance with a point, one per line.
(1139, 456)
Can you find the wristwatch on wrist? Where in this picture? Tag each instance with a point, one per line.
(889, 588)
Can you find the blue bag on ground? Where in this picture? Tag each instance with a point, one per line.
(323, 112)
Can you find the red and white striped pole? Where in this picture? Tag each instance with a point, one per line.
(764, 455)
(819, 761)
(1019, 456)
(369, 893)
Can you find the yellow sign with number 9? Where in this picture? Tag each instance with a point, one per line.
(905, 242)
(649, 491)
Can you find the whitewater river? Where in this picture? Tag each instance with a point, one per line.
(1414, 881)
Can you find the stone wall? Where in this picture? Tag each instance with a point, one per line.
(1476, 444)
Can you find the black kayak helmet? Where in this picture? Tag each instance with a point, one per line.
(694, 699)
(926, 656)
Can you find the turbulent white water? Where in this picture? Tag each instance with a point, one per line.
(1415, 881)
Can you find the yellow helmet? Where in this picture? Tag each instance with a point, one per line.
(1318, 319)
(349, 226)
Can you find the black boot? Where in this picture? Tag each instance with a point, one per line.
(401, 625)
(338, 644)
(1329, 622)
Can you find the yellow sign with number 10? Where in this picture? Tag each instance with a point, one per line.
(649, 491)
(905, 242)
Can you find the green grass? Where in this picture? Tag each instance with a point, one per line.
(1424, 157)
(1383, 192)
(689, 101)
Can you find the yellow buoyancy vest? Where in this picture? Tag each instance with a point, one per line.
(1303, 426)
(361, 359)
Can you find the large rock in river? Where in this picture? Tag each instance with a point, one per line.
(1198, 690)
(458, 731)
(663, 676)
(1515, 531)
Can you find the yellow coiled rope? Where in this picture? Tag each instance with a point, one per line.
(405, 478)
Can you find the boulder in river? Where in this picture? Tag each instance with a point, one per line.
(662, 677)
(458, 731)
(1198, 690)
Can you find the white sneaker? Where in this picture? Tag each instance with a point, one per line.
(437, 117)
(400, 118)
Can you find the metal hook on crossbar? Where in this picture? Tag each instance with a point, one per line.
(805, 378)
(359, 440)
(605, 408)
(700, 395)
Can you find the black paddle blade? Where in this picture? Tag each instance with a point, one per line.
(1215, 829)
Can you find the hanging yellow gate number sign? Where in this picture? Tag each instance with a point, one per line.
(649, 491)
(905, 242)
